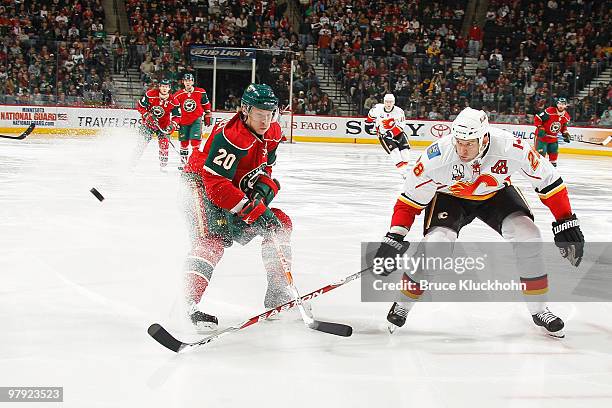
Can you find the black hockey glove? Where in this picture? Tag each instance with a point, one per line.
(569, 239)
(265, 188)
(391, 245)
(369, 128)
(566, 137)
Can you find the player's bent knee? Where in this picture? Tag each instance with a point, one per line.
(441, 234)
(520, 228)
(210, 250)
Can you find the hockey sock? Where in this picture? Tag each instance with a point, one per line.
(198, 273)
(184, 150)
(195, 144)
(163, 152)
(553, 158)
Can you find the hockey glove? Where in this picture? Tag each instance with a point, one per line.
(256, 213)
(207, 118)
(541, 133)
(394, 132)
(369, 128)
(566, 137)
(391, 246)
(168, 130)
(569, 239)
(265, 188)
(149, 119)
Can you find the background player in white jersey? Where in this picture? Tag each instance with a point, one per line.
(466, 175)
(387, 121)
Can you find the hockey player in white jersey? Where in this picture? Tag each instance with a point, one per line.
(387, 121)
(466, 175)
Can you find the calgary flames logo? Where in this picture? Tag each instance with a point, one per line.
(555, 127)
(189, 105)
(158, 111)
(388, 123)
(467, 189)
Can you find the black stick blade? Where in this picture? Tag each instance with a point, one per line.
(97, 194)
(29, 130)
(21, 136)
(337, 329)
(164, 338)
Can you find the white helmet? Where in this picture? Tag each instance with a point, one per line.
(389, 98)
(471, 124)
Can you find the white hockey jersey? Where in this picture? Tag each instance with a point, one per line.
(383, 120)
(439, 169)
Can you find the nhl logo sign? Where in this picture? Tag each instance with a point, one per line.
(439, 130)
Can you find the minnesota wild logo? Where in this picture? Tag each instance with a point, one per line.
(158, 111)
(555, 127)
(189, 105)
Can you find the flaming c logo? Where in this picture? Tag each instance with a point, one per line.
(466, 189)
(388, 123)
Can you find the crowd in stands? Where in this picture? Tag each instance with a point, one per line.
(528, 53)
(164, 31)
(54, 52)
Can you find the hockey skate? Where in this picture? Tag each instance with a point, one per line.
(203, 322)
(551, 324)
(396, 316)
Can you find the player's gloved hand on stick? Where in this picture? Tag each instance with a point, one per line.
(149, 119)
(207, 118)
(566, 137)
(541, 132)
(257, 214)
(394, 132)
(265, 188)
(569, 239)
(171, 128)
(391, 245)
(369, 128)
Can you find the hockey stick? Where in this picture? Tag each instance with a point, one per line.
(337, 329)
(164, 338)
(602, 143)
(21, 136)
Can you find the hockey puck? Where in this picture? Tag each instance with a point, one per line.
(97, 194)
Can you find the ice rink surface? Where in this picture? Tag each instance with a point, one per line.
(82, 281)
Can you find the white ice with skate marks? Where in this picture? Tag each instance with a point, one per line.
(82, 280)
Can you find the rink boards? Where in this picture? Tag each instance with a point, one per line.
(70, 121)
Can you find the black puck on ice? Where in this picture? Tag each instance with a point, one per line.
(97, 194)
